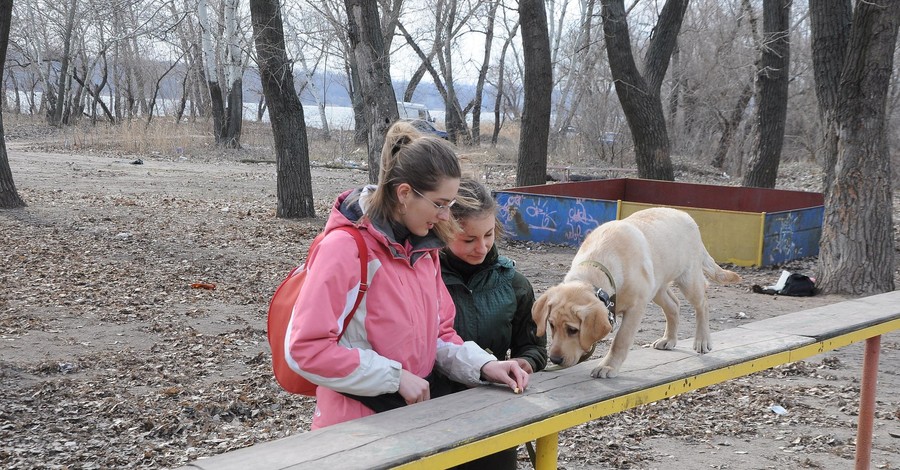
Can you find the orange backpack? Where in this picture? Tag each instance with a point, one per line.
(282, 306)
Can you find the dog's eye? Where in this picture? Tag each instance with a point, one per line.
(571, 331)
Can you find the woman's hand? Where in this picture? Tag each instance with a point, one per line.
(506, 372)
(525, 365)
(413, 389)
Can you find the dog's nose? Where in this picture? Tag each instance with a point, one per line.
(556, 360)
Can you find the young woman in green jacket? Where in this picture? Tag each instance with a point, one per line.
(493, 300)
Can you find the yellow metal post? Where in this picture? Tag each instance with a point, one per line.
(545, 454)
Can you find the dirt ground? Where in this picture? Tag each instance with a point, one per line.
(110, 359)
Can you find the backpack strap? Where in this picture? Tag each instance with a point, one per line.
(363, 272)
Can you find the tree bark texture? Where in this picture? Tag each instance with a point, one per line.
(538, 86)
(9, 197)
(376, 89)
(639, 95)
(857, 248)
(772, 92)
(293, 180)
(829, 22)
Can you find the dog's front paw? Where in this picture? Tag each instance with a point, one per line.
(665, 343)
(702, 346)
(604, 372)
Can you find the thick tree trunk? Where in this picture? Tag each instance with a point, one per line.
(538, 85)
(829, 22)
(293, 180)
(857, 248)
(772, 91)
(640, 95)
(376, 89)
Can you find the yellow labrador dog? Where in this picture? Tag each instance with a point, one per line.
(620, 267)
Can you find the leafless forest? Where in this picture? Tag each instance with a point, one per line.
(114, 62)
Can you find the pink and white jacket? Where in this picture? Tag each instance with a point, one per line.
(405, 320)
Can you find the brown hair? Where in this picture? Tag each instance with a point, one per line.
(475, 200)
(421, 161)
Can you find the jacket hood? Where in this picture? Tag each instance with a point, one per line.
(350, 209)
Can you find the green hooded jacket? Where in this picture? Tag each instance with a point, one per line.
(493, 307)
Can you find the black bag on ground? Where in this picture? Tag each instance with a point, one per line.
(798, 285)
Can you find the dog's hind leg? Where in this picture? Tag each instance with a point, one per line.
(694, 291)
(666, 299)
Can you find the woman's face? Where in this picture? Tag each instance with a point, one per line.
(420, 212)
(476, 239)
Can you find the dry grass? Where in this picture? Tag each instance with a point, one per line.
(163, 138)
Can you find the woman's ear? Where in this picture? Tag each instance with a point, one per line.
(404, 192)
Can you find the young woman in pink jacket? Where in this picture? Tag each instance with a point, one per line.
(403, 329)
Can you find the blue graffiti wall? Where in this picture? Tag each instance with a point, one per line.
(552, 219)
(792, 235)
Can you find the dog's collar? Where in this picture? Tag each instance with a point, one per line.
(600, 266)
(608, 300)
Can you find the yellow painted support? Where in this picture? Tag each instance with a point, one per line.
(546, 452)
(546, 431)
(761, 239)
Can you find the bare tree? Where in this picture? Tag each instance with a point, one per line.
(772, 92)
(234, 76)
(227, 104)
(532, 164)
(501, 83)
(9, 197)
(857, 248)
(56, 118)
(376, 89)
(294, 180)
(640, 94)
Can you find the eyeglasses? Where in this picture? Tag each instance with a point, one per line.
(439, 207)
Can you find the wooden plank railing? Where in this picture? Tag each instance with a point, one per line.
(464, 426)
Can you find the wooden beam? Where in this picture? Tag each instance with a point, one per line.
(461, 427)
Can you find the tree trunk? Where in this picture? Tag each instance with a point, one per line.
(639, 95)
(482, 74)
(376, 89)
(293, 180)
(830, 25)
(498, 101)
(217, 100)
(538, 85)
(56, 119)
(361, 131)
(730, 125)
(9, 197)
(772, 91)
(234, 120)
(857, 248)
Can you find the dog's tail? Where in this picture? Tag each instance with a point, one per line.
(718, 275)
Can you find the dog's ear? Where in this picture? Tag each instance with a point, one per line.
(539, 313)
(594, 325)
